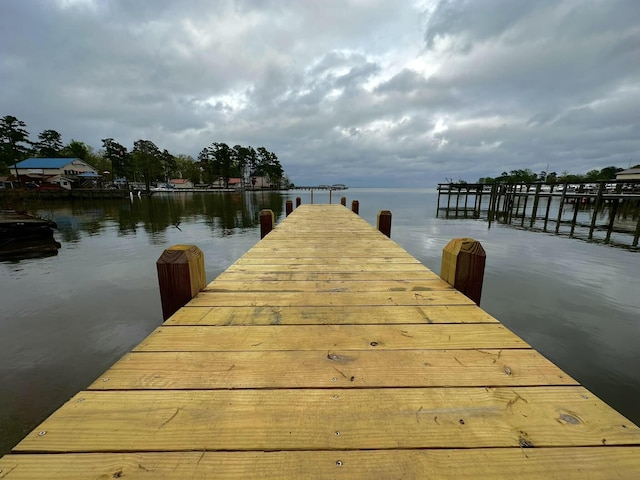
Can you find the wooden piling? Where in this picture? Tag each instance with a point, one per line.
(546, 213)
(519, 197)
(355, 207)
(463, 261)
(266, 222)
(612, 218)
(384, 222)
(181, 275)
(311, 202)
(524, 207)
(466, 200)
(492, 203)
(636, 236)
(298, 202)
(576, 207)
(561, 206)
(596, 207)
(288, 207)
(343, 201)
(536, 201)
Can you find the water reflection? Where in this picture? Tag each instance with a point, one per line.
(224, 213)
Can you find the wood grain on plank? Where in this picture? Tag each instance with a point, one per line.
(336, 368)
(443, 464)
(329, 337)
(344, 315)
(187, 420)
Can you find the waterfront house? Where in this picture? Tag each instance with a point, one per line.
(629, 174)
(49, 170)
(181, 183)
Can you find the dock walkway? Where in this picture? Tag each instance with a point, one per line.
(328, 351)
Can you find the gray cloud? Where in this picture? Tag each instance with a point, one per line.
(359, 92)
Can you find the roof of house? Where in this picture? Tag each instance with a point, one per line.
(179, 181)
(45, 162)
(630, 171)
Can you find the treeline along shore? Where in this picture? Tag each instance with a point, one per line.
(143, 163)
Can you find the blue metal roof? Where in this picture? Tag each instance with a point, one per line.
(45, 162)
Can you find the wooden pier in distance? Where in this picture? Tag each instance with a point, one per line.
(328, 351)
(611, 207)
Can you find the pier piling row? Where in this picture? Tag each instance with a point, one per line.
(328, 351)
(610, 207)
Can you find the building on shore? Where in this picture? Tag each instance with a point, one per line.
(63, 172)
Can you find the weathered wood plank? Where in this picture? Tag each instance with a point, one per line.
(319, 299)
(310, 262)
(319, 369)
(331, 337)
(349, 315)
(365, 267)
(445, 464)
(244, 286)
(275, 273)
(330, 419)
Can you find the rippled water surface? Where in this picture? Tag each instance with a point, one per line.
(66, 319)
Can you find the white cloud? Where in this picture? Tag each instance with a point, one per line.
(375, 91)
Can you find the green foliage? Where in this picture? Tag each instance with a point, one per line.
(76, 149)
(527, 176)
(120, 160)
(145, 161)
(49, 144)
(14, 142)
(187, 168)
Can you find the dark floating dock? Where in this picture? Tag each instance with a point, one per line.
(25, 236)
(328, 351)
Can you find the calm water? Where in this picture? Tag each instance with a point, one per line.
(66, 319)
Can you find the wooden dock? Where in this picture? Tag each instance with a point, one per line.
(327, 351)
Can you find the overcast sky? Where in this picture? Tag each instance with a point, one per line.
(366, 93)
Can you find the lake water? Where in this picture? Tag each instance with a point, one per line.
(65, 319)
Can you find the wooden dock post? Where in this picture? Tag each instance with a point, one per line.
(288, 207)
(596, 207)
(311, 197)
(298, 201)
(343, 201)
(266, 222)
(548, 209)
(463, 261)
(384, 222)
(355, 207)
(492, 203)
(612, 218)
(636, 236)
(466, 200)
(524, 207)
(561, 206)
(536, 202)
(576, 207)
(181, 276)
